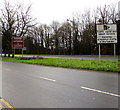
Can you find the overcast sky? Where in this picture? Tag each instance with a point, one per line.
(59, 10)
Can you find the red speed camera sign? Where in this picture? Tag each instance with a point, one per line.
(17, 43)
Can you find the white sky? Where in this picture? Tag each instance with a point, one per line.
(59, 10)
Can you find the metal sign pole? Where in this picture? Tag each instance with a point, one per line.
(22, 52)
(1, 52)
(99, 52)
(14, 52)
(114, 50)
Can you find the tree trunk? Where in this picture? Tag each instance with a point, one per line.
(5, 55)
(9, 55)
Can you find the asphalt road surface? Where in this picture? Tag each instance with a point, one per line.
(33, 86)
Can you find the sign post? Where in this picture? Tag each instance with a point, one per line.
(17, 43)
(99, 52)
(23, 50)
(114, 50)
(107, 34)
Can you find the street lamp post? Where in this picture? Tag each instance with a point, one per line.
(118, 36)
(118, 30)
(73, 25)
(74, 32)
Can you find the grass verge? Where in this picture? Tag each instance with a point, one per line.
(92, 64)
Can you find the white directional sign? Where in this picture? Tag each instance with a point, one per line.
(107, 33)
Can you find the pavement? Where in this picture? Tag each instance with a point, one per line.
(73, 57)
(33, 86)
(81, 57)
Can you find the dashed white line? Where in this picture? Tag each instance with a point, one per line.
(48, 79)
(103, 92)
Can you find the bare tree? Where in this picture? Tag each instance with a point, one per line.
(55, 39)
(16, 22)
(65, 38)
(113, 13)
(104, 15)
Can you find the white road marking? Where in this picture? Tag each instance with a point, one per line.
(48, 79)
(103, 92)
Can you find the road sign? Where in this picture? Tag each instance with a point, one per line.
(107, 33)
(17, 43)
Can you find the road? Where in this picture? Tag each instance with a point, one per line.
(33, 86)
(75, 57)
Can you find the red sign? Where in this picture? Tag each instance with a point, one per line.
(17, 43)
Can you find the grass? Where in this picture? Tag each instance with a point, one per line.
(92, 64)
